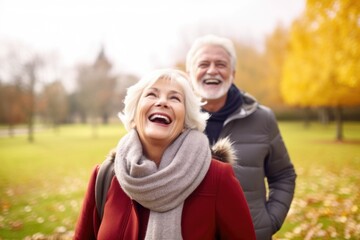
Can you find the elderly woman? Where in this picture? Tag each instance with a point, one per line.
(166, 183)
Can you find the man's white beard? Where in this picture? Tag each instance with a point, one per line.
(216, 92)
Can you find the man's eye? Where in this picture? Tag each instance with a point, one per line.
(203, 65)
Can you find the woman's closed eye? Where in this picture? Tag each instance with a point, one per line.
(150, 94)
(176, 98)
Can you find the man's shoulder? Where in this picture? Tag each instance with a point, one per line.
(265, 109)
(250, 103)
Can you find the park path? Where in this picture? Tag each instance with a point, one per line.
(4, 132)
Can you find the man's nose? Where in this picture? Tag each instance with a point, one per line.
(212, 69)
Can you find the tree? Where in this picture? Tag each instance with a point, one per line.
(30, 74)
(23, 69)
(322, 68)
(96, 90)
(275, 53)
(11, 106)
(53, 103)
(250, 70)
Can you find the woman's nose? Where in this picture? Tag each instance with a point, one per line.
(162, 101)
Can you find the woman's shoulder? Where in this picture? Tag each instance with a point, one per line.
(217, 168)
(215, 175)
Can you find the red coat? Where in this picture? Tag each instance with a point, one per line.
(216, 209)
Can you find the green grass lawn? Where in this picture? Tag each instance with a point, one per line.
(327, 197)
(42, 184)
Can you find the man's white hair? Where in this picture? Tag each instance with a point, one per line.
(225, 43)
(194, 117)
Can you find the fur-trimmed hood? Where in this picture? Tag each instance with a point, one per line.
(223, 151)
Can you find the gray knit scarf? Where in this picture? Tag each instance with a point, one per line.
(163, 190)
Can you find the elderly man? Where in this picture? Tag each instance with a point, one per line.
(263, 166)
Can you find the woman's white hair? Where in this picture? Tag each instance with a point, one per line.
(194, 117)
(225, 43)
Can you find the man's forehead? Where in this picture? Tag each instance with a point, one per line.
(212, 52)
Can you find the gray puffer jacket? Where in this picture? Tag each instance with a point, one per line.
(261, 156)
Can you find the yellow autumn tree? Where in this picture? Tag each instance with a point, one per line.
(275, 53)
(322, 68)
(250, 71)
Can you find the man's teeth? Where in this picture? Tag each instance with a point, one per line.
(158, 116)
(212, 81)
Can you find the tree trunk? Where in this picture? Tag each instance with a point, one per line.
(31, 120)
(339, 123)
(30, 69)
(30, 131)
(307, 117)
(94, 127)
(324, 115)
(11, 130)
(31, 110)
(105, 119)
